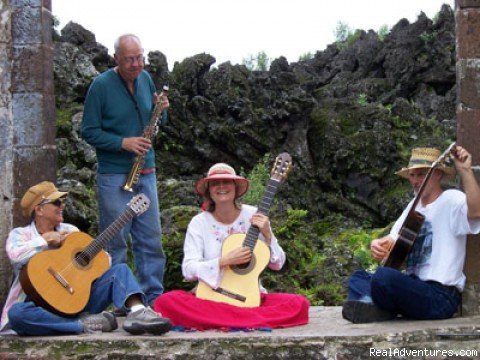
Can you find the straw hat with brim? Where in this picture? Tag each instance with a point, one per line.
(222, 171)
(45, 191)
(423, 158)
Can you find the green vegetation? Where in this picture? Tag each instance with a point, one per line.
(259, 62)
(362, 99)
(306, 56)
(342, 32)
(63, 119)
(383, 32)
(258, 178)
(345, 36)
(428, 37)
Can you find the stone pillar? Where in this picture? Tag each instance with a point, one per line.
(467, 20)
(27, 111)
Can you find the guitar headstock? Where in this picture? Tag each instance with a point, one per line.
(281, 167)
(445, 155)
(139, 204)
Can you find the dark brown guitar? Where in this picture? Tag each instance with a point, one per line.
(60, 280)
(399, 248)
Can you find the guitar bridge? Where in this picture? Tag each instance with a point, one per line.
(230, 294)
(61, 280)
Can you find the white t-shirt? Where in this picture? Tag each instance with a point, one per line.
(438, 252)
(203, 246)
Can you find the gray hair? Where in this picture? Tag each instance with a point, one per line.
(123, 37)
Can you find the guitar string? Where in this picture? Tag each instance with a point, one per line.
(252, 233)
(111, 230)
(265, 203)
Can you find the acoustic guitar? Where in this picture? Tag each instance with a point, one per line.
(60, 280)
(240, 283)
(400, 247)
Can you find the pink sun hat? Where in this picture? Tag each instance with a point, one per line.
(222, 171)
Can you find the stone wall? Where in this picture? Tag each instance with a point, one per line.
(6, 139)
(467, 21)
(27, 111)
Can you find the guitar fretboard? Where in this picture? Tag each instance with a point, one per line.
(264, 207)
(101, 241)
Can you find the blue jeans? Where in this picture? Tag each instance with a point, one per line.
(115, 286)
(145, 229)
(403, 294)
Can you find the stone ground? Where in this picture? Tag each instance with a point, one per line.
(327, 336)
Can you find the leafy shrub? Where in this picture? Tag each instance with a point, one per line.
(258, 178)
(345, 36)
(342, 31)
(306, 56)
(362, 99)
(304, 258)
(259, 62)
(177, 218)
(427, 37)
(383, 32)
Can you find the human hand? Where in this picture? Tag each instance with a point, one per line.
(262, 222)
(137, 145)
(379, 247)
(237, 256)
(462, 159)
(55, 238)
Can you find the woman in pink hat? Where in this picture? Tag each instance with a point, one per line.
(224, 215)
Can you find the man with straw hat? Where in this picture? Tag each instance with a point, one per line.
(431, 285)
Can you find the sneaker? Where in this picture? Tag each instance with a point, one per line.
(122, 312)
(359, 312)
(104, 322)
(146, 320)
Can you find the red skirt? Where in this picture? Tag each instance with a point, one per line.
(277, 310)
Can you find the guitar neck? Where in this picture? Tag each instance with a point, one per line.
(101, 241)
(264, 207)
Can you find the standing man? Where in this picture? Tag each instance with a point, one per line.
(118, 107)
(431, 286)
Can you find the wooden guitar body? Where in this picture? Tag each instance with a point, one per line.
(60, 280)
(55, 280)
(239, 285)
(400, 248)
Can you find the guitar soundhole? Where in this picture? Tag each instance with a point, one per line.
(82, 259)
(245, 268)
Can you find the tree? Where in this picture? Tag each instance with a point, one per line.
(258, 62)
(342, 32)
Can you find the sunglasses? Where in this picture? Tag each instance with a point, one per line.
(57, 202)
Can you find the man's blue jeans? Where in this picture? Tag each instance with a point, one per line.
(145, 229)
(114, 286)
(402, 294)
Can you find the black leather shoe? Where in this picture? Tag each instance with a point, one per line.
(359, 312)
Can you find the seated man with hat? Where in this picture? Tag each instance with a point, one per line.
(431, 285)
(43, 206)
